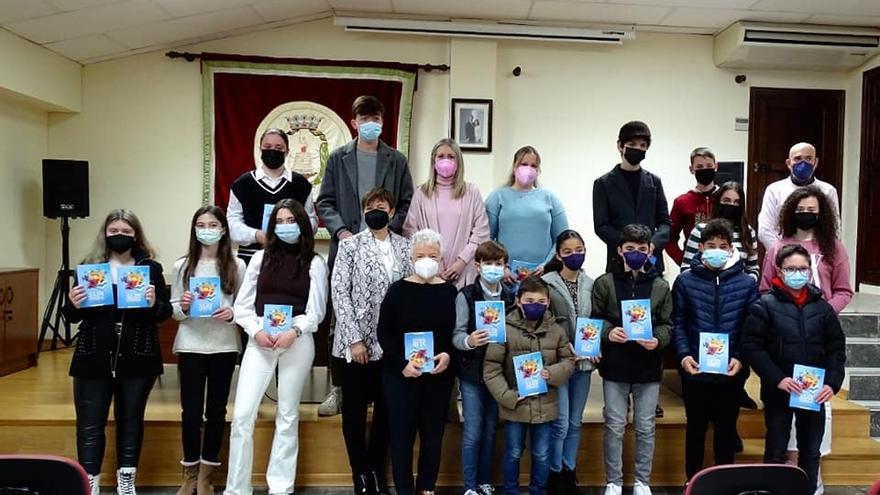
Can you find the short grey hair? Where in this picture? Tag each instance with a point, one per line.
(427, 237)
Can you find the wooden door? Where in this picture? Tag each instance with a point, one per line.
(780, 118)
(867, 256)
(20, 319)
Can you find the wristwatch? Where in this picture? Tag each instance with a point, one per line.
(298, 332)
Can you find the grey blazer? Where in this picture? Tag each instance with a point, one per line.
(358, 286)
(338, 203)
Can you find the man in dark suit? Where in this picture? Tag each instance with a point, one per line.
(352, 170)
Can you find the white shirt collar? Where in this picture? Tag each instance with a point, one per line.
(260, 174)
(488, 292)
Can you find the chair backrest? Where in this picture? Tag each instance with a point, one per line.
(749, 479)
(875, 488)
(43, 475)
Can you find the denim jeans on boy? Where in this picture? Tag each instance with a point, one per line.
(480, 413)
(644, 408)
(567, 427)
(514, 444)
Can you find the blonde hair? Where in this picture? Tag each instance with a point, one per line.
(517, 157)
(101, 253)
(458, 187)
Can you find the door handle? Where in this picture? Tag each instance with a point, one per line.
(7, 315)
(760, 168)
(10, 294)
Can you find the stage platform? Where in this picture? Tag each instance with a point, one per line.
(37, 416)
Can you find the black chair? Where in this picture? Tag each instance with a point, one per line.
(750, 479)
(43, 475)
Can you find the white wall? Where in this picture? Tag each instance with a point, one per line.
(140, 124)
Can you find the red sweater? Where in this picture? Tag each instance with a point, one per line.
(688, 210)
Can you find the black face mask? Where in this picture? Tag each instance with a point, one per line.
(705, 176)
(119, 243)
(806, 220)
(376, 219)
(633, 156)
(732, 213)
(272, 158)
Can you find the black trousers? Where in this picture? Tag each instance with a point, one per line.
(361, 385)
(197, 373)
(810, 426)
(416, 405)
(92, 397)
(705, 402)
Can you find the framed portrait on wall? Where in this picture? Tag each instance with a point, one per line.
(472, 124)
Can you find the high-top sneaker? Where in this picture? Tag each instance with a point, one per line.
(125, 481)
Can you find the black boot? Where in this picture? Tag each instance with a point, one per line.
(361, 485)
(553, 483)
(376, 483)
(569, 482)
(747, 402)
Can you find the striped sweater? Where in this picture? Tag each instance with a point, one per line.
(692, 247)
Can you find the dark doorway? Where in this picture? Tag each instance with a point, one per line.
(867, 257)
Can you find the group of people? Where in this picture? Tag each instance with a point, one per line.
(408, 260)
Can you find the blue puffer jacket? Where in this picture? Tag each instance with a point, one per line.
(710, 301)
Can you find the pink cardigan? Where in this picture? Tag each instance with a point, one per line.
(473, 228)
(833, 277)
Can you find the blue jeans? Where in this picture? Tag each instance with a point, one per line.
(514, 444)
(480, 413)
(567, 427)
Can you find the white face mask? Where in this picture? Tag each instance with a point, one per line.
(426, 268)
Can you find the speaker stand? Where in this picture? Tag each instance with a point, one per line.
(53, 317)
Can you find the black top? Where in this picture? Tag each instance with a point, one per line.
(283, 282)
(254, 195)
(470, 363)
(633, 178)
(414, 307)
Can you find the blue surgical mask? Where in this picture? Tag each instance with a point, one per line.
(491, 273)
(369, 131)
(796, 280)
(716, 258)
(802, 172)
(209, 237)
(533, 311)
(288, 232)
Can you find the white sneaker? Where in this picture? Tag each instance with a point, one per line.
(471, 492)
(641, 489)
(95, 484)
(487, 489)
(332, 405)
(612, 489)
(125, 481)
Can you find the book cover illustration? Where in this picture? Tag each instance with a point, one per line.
(490, 317)
(521, 271)
(587, 334)
(636, 315)
(96, 280)
(419, 349)
(811, 381)
(277, 318)
(207, 294)
(131, 286)
(528, 368)
(714, 353)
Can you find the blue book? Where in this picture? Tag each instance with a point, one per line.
(636, 316)
(587, 335)
(277, 318)
(419, 349)
(490, 317)
(714, 353)
(131, 286)
(521, 271)
(811, 381)
(207, 294)
(267, 212)
(96, 280)
(528, 368)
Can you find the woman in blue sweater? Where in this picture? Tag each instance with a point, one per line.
(523, 217)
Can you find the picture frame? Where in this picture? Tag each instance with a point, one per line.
(471, 124)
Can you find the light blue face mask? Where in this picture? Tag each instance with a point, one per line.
(716, 258)
(795, 280)
(288, 232)
(369, 131)
(491, 273)
(209, 237)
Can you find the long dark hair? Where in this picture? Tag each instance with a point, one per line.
(745, 230)
(555, 264)
(226, 264)
(276, 248)
(825, 230)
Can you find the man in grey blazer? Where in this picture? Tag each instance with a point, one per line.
(352, 170)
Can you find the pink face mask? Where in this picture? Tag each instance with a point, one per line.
(525, 175)
(445, 167)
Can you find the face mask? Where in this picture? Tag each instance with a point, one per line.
(120, 243)
(705, 176)
(733, 213)
(426, 268)
(574, 261)
(525, 175)
(209, 237)
(633, 156)
(288, 232)
(716, 258)
(802, 172)
(806, 220)
(369, 131)
(795, 281)
(533, 311)
(273, 159)
(445, 167)
(491, 273)
(376, 219)
(635, 259)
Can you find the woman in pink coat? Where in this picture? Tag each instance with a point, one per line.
(447, 204)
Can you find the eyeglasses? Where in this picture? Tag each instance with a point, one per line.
(805, 272)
